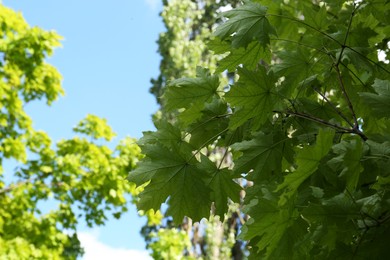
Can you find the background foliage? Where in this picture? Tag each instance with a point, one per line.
(53, 186)
(305, 120)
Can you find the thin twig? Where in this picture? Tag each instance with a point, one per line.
(367, 58)
(209, 140)
(350, 106)
(353, 74)
(346, 36)
(333, 106)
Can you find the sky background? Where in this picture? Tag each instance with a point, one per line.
(108, 57)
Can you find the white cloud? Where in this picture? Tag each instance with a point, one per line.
(96, 250)
(152, 4)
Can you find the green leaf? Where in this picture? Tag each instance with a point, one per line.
(317, 17)
(349, 156)
(330, 218)
(95, 127)
(296, 66)
(223, 187)
(263, 154)
(253, 97)
(246, 23)
(272, 230)
(211, 125)
(173, 173)
(308, 160)
(166, 134)
(379, 102)
(191, 94)
(251, 56)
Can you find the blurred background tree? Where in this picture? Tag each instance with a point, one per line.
(51, 186)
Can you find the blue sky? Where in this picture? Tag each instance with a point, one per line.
(108, 57)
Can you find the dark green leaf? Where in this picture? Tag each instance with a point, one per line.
(191, 94)
(251, 56)
(308, 159)
(379, 102)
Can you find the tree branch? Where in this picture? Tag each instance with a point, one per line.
(324, 122)
(13, 186)
(314, 119)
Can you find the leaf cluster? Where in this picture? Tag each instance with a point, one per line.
(306, 120)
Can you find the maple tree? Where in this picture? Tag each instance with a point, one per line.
(305, 120)
(52, 186)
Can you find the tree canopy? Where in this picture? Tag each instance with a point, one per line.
(305, 119)
(53, 186)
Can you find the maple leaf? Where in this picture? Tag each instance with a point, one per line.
(379, 102)
(211, 125)
(223, 186)
(191, 94)
(271, 228)
(250, 56)
(307, 161)
(253, 96)
(246, 23)
(166, 134)
(328, 217)
(173, 173)
(263, 154)
(297, 66)
(349, 156)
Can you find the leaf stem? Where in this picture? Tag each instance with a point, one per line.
(227, 149)
(210, 139)
(205, 122)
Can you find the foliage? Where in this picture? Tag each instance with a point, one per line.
(170, 244)
(52, 186)
(189, 26)
(306, 125)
